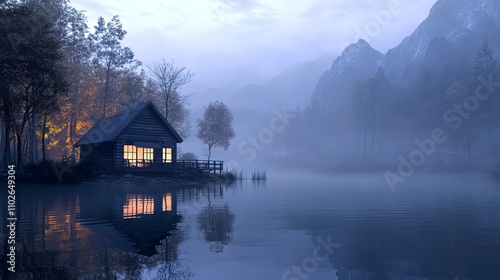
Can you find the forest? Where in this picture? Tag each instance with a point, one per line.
(59, 77)
(380, 119)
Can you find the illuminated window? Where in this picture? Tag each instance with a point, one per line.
(129, 155)
(136, 205)
(145, 154)
(137, 156)
(148, 154)
(167, 202)
(167, 155)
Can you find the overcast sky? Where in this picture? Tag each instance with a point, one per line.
(241, 42)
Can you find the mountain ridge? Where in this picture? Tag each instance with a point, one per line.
(454, 30)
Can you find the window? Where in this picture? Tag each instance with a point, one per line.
(167, 155)
(137, 156)
(148, 154)
(137, 205)
(167, 202)
(129, 155)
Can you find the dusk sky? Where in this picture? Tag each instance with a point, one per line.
(236, 42)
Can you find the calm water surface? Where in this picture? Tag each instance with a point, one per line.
(290, 227)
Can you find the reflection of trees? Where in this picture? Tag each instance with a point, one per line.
(55, 242)
(171, 268)
(43, 265)
(216, 224)
(435, 237)
(73, 235)
(402, 249)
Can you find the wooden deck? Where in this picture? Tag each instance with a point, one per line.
(209, 166)
(215, 166)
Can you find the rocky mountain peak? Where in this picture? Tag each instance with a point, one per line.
(355, 55)
(464, 23)
(453, 31)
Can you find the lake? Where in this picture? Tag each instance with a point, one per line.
(292, 226)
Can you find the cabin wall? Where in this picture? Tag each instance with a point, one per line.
(118, 154)
(157, 155)
(146, 127)
(99, 154)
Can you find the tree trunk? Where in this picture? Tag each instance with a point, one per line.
(381, 122)
(489, 126)
(72, 137)
(358, 125)
(106, 87)
(19, 164)
(373, 129)
(33, 149)
(67, 139)
(6, 115)
(469, 142)
(166, 106)
(365, 139)
(2, 139)
(44, 127)
(209, 151)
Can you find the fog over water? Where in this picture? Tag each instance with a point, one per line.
(331, 227)
(366, 144)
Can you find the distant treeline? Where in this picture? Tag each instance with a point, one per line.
(381, 119)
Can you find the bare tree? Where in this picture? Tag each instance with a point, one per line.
(166, 80)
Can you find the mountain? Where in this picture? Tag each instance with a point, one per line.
(358, 61)
(290, 88)
(451, 34)
(454, 29)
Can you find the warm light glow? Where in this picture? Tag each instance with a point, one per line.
(137, 156)
(167, 202)
(137, 205)
(167, 155)
(140, 153)
(129, 152)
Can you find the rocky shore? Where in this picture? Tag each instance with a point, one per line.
(184, 178)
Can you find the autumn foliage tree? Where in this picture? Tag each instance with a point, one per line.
(55, 78)
(109, 54)
(215, 129)
(100, 71)
(31, 50)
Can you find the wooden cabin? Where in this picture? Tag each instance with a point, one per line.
(139, 138)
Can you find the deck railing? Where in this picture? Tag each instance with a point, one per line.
(216, 166)
(139, 163)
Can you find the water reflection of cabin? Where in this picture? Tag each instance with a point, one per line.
(145, 219)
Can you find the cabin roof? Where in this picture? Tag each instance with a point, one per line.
(108, 129)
